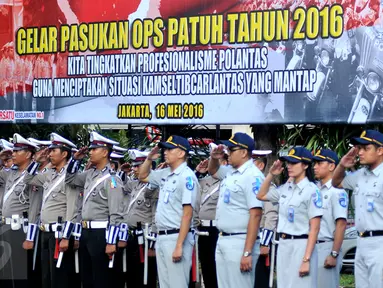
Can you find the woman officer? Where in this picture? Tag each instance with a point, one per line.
(300, 211)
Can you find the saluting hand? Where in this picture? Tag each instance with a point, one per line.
(218, 152)
(154, 154)
(42, 155)
(246, 263)
(349, 159)
(202, 167)
(276, 168)
(125, 167)
(80, 154)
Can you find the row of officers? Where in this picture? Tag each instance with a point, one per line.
(103, 226)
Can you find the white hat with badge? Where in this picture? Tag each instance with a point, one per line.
(6, 145)
(60, 142)
(20, 143)
(39, 143)
(137, 156)
(99, 141)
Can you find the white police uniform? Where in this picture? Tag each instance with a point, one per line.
(237, 196)
(298, 203)
(367, 186)
(177, 188)
(335, 206)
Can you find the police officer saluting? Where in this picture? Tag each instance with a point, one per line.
(238, 212)
(334, 220)
(101, 211)
(174, 216)
(300, 210)
(140, 209)
(16, 208)
(367, 186)
(207, 201)
(59, 201)
(268, 226)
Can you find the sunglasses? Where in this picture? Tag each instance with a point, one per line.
(231, 150)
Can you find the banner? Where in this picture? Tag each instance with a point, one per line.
(191, 61)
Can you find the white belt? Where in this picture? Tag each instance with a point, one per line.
(94, 224)
(8, 221)
(208, 223)
(48, 227)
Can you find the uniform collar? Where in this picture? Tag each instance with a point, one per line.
(302, 184)
(107, 168)
(328, 184)
(179, 169)
(244, 166)
(62, 169)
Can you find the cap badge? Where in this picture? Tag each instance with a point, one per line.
(170, 139)
(292, 152)
(363, 134)
(318, 153)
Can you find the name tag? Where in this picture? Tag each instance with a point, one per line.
(166, 198)
(290, 214)
(226, 196)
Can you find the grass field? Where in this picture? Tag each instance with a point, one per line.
(347, 280)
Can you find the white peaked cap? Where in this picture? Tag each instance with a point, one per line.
(136, 154)
(119, 149)
(6, 145)
(20, 143)
(60, 142)
(98, 141)
(261, 152)
(114, 155)
(39, 142)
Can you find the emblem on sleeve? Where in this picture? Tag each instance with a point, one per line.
(113, 183)
(317, 199)
(256, 185)
(343, 200)
(189, 183)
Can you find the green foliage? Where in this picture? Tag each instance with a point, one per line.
(347, 281)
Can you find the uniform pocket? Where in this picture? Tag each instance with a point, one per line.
(372, 198)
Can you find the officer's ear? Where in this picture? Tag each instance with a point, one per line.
(380, 151)
(260, 165)
(29, 154)
(331, 167)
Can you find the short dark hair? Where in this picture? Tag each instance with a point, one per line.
(68, 154)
